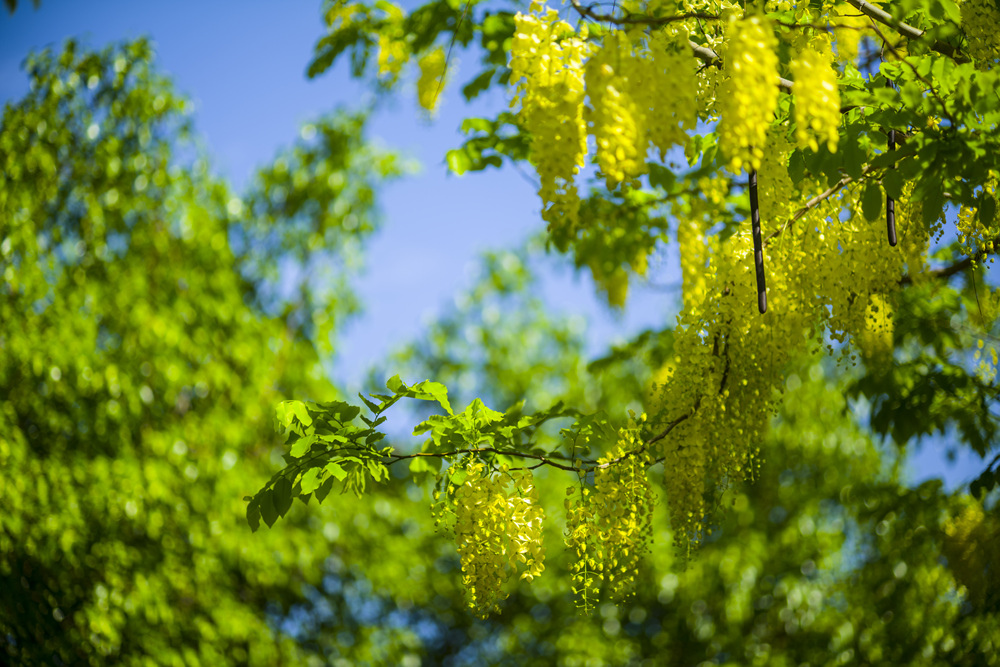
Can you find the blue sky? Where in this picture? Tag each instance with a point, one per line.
(243, 64)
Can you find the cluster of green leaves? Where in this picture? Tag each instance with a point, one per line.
(326, 444)
(928, 378)
(438, 22)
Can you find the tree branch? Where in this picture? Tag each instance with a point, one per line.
(544, 460)
(813, 203)
(904, 29)
(952, 269)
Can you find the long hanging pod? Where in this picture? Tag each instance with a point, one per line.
(890, 203)
(758, 245)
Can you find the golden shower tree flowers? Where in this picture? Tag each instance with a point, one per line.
(750, 94)
(393, 50)
(433, 68)
(817, 100)
(667, 88)
(617, 121)
(495, 530)
(546, 63)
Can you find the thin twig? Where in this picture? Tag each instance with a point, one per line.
(923, 79)
(545, 460)
(639, 19)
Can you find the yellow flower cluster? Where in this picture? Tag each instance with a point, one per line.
(617, 122)
(914, 235)
(694, 243)
(608, 529)
(393, 51)
(986, 357)
(667, 89)
(727, 371)
(524, 525)
(494, 531)
(775, 192)
(972, 546)
(433, 66)
(344, 13)
(855, 261)
(875, 341)
(979, 238)
(546, 65)
(392, 55)
(750, 94)
(817, 100)
(580, 541)
(980, 19)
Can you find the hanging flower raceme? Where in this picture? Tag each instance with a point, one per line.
(494, 531)
(608, 527)
(547, 68)
(432, 72)
(668, 89)
(750, 95)
(393, 51)
(817, 101)
(617, 122)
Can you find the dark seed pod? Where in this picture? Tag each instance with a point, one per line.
(890, 203)
(758, 245)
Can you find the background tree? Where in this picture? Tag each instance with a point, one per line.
(143, 349)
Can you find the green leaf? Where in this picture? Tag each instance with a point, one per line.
(912, 94)
(484, 416)
(288, 409)
(371, 405)
(933, 203)
(395, 385)
(854, 154)
(796, 166)
(309, 481)
(952, 12)
(324, 489)
(458, 475)
(377, 470)
(433, 391)
(253, 515)
(341, 411)
(336, 470)
(267, 509)
(871, 202)
(987, 208)
(282, 495)
(660, 176)
(458, 161)
(472, 89)
(893, 182)
(302, 445)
